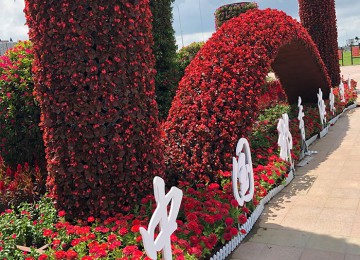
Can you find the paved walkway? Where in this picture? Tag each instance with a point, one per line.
(316, 217)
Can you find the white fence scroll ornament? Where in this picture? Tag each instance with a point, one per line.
(332, 101)
(285, 138)
(342, 91)
(167, 223)
(322, 108)
(301, 120)
(243, 174)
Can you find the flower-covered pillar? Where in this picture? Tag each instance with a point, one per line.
(319, 18)
(94, 81)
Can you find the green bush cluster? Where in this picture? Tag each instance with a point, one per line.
(20, 136)
(185, 55)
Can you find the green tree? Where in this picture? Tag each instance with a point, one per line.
(164, 49)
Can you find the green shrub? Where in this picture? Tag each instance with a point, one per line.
(186, 54)
(20, 136)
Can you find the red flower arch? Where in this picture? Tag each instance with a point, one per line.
(216, 102)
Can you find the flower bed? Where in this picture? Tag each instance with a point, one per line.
(209, 216)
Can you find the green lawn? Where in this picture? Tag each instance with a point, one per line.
(347, 59)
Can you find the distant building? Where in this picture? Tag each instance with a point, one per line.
(5, 45)
(350, 42)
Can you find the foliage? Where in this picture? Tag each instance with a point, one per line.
(95, 84)
(20, 185)
(20, 136)
(164, 50)
(319, 18)
(217, 99)
(264, 134)
(25, 226)
(185, 55)
(226, 12)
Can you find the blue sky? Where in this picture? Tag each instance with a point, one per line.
(196, 16)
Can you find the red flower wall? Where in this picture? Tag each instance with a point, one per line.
(217, 99)
(94, 81)
(319, 18)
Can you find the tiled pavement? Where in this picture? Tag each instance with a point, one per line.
(317, 216)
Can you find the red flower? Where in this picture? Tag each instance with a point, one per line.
(61, 213)
(128, 250)
(227, 236)
(47, 232)
(91, 219)
(60, 255)
(242, 219)
(86, 258)
(229, 221)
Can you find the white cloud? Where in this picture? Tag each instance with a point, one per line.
(12, 20)
(197, 18)
(193, 37)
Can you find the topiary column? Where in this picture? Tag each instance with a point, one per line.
(319, 18)
(94, 81)
(226, 12)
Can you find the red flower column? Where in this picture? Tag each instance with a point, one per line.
(226, 12)
(319, 18)
(95, 84)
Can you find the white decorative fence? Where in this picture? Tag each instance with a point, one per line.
(243, 189)
(228, 248)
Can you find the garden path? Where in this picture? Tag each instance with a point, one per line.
(317, 216)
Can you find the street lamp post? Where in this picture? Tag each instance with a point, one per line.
(181, 33)
(202, 27)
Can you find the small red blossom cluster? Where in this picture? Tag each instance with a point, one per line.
(350, 94)
(19, 185)
(217, 99)
(319, 18)
(94, 80)
(272, 93)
